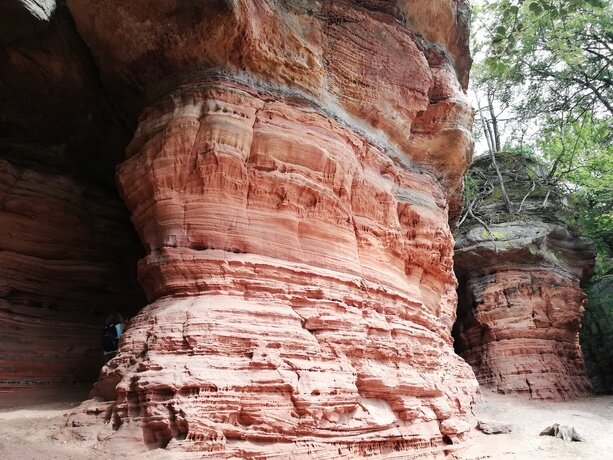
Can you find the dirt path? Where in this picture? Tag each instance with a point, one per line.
(32, 426)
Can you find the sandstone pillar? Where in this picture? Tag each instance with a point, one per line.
(294, 209)
(520, 300)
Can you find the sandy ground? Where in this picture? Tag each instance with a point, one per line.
(591, 417)
(32, 421)
(32, 426)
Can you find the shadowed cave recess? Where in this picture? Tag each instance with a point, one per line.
(68, 250)
(68, 256)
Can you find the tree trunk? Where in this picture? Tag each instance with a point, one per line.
(493, 142)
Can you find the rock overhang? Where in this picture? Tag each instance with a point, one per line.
(408, 97)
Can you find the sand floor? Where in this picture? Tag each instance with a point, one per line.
(32, 421)
(591, 417)
(32, 426)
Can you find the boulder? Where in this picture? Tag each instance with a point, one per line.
(567, 433)
(494, 427)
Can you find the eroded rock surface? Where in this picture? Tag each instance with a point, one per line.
(292, 191)
(389, 67)
(520, 301)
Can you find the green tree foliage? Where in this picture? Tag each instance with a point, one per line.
(544, 69)
(581, 160)
(561, 51)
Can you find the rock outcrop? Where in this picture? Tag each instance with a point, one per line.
(50, 94)
(67, 255)
(67, 249)
(291, 180)
(520, 301)
(597, 334)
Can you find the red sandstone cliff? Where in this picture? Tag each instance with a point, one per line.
(291, 175)
(520, 300)
(292, 190)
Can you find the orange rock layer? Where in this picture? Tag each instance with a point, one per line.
(302, 285)
(292, 192)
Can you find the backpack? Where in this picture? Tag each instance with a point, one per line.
(110, 338)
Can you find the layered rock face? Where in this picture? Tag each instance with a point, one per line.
(67, 256)
(597, 334)
(390, 67)
(292, 192)
(67, 249)
(520, 301)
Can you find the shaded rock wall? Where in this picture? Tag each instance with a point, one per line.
(50, 94)
(67, 248)
(67, 256)
(520, 301)
(597, 334)
(292, 191)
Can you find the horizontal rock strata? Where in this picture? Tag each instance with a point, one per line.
(520, 301)
(292, 190)
(304, 283)
(390, 67)
(66, 252)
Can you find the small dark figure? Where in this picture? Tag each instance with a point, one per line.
(112, 331)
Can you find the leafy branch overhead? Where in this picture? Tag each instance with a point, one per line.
(560, 45)
(543, 81)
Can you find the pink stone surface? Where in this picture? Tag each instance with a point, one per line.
(294, 209)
